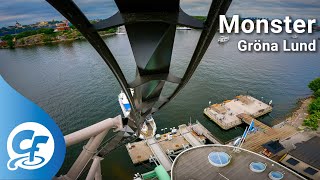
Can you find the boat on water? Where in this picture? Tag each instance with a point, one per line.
(149, 127)
(294, 36)
(223, 39)
(183, 28)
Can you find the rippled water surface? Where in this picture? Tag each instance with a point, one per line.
(72, 83)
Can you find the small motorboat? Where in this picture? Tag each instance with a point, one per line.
(223, 39)
(149, 126)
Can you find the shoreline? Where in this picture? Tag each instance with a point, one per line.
(294, 118)
(299, 113)
(56, 41)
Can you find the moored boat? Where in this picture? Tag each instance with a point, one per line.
(223, 39)
(149, 127)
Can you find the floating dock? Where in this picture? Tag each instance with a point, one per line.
(226, 114)
(185, 137)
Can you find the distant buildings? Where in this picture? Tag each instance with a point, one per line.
(18, 25)
(18, 28)
(42, 24)
(305, 158)
(63, 26)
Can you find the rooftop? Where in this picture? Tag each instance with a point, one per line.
(308, 152)
(194, 164)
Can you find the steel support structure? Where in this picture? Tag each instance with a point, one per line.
(151, 27)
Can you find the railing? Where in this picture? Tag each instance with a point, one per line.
(95, 133)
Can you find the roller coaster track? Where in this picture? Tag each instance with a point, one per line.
(151, 27)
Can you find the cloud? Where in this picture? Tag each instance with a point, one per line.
(31, 11)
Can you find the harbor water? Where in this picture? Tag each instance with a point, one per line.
(71, 82)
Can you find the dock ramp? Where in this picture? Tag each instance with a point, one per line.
(193, 141)
(159, 153)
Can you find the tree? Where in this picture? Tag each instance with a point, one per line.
(7, 37)
(312, 121)
(317, 93)
(111, 30)
(45, 31)
(314, 106)
(10, 44)
(72, 26)
(315, 85)
(201, 18)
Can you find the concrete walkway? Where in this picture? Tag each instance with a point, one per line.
(188, 136)
(160, 155)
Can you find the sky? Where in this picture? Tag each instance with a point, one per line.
(32, 11)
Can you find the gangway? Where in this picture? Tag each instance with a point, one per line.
(159, 153)
(188, 136)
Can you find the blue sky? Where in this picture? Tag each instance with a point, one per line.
(31, 11)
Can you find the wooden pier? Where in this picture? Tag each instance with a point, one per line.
(200, 129)
(186, 136)
(254, 141)
(159, 153)
(264, 133)
(247, 119)
(226, 114)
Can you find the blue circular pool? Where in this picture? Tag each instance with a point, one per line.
(219, 159)
(275, 175)
(257, 167)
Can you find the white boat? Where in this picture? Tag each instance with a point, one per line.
(294, 36)
(237, 141)
(120, 30)
(149, 127)
(183, 28)
(223, 39)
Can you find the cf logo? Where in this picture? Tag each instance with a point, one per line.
(30, 146)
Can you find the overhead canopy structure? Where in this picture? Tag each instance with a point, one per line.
(151, 27)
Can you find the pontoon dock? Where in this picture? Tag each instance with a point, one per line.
(186, 136)
(226, 113)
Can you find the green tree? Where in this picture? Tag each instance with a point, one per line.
(23, 41)
(45, 31)
(72, 26)
(314, 106)
(7, 37)
(317, 93)
(201, 18)
(314, 85)
(10, 44)
(111, 30)
(312, 121)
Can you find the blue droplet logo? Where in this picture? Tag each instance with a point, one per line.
(32, 146)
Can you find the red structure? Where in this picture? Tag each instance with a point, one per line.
(62, 26)
(3, 43)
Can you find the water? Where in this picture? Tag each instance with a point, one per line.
(72, 83)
